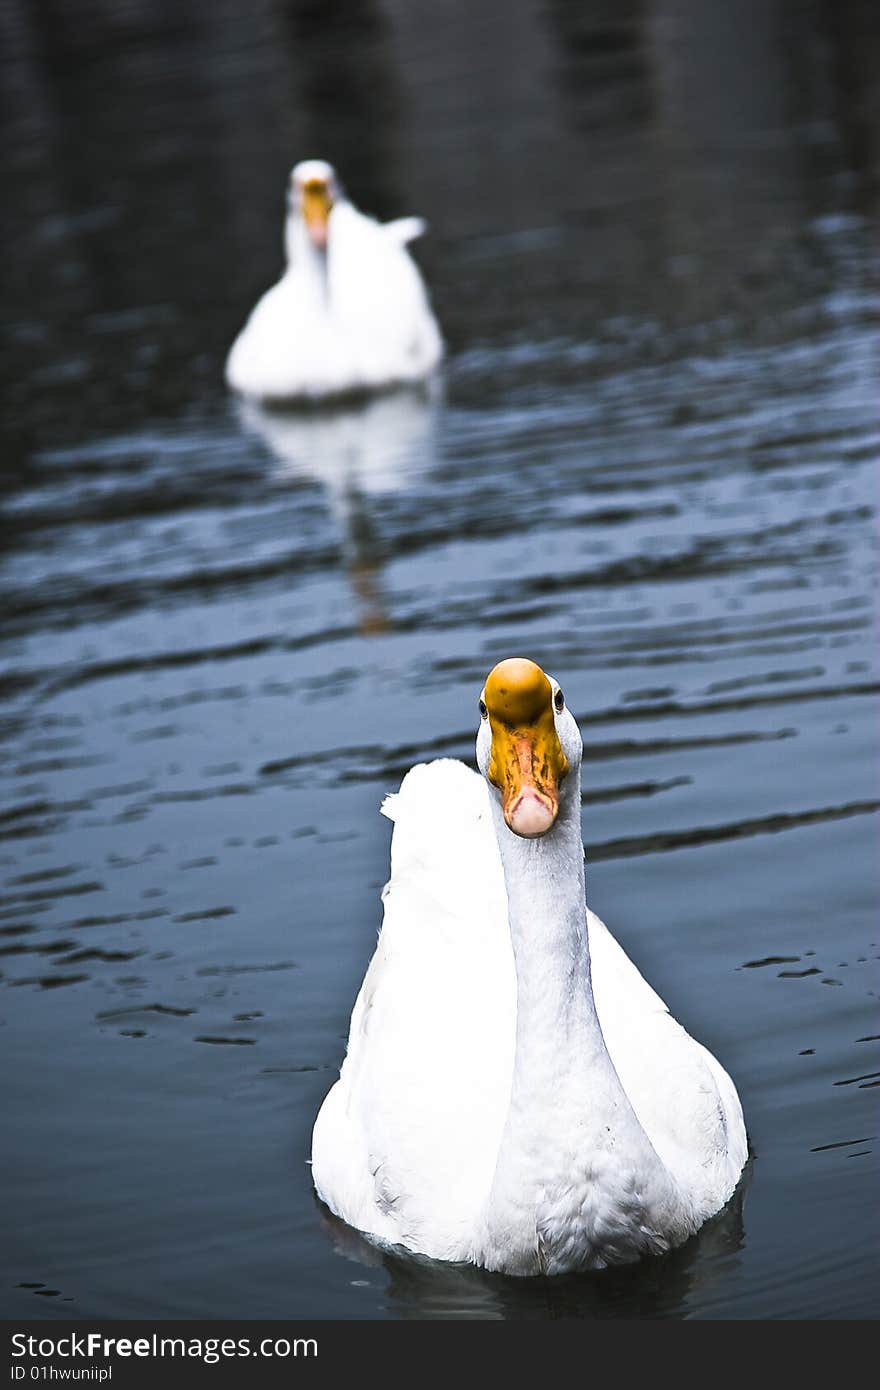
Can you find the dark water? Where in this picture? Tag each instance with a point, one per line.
(648, 466)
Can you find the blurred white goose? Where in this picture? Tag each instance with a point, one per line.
(515, 1095)
(349, 314)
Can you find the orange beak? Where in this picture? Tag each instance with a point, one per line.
(316, 205)
(527, 762)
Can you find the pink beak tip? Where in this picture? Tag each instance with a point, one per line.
(531, 816)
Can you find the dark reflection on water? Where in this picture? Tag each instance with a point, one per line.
(228, 632)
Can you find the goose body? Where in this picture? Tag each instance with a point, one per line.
(515, 1095)
(350, 314)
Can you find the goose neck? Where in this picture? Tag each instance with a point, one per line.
(557, 1030)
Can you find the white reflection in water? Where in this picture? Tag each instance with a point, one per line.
(359, 452)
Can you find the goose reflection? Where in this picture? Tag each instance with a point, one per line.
(359, 453)
(663, 1287)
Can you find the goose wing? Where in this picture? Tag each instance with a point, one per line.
(411, 1129)
(684, 1099)
(403, 230)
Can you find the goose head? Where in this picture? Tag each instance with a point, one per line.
(314, 192)
(528, 745)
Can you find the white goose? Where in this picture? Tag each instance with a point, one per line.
(349, 314)
(515, 1095)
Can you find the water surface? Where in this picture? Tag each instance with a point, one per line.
(227, 634)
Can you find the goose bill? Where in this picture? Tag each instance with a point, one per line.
(527, 766)
(316, 205)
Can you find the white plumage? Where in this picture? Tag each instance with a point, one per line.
(349, 314)
(514, 1094)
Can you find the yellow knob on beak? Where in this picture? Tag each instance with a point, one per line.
(527, 762)
(316, 204)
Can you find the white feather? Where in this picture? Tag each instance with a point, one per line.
(406, 229)
(406, 1145)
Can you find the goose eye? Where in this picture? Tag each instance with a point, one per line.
(559, 701)
(484, 713)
